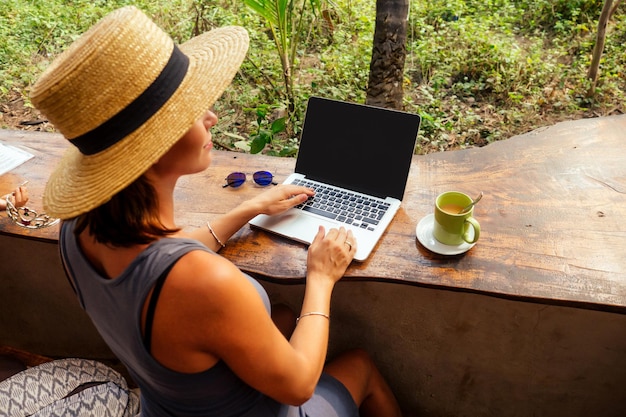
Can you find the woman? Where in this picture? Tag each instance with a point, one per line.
(19, 197)
(194, 332)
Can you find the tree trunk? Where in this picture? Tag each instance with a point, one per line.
(592, 74)
(384, 88)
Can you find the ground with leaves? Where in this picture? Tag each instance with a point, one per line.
(15, 115)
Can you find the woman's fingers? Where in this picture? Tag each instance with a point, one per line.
(20, 196)
(350, 242)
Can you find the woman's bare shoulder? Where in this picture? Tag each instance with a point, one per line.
(205, 273)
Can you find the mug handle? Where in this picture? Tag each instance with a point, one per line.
(470, 221)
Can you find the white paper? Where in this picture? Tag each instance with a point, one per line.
(12, 157)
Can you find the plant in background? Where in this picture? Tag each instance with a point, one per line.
(267, 131)
(287, 21)
(477, 70)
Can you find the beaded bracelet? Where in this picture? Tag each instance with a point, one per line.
(214, 235)
(313, 313)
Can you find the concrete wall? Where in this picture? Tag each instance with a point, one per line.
(38, 310)
(458, 354)
(445, 353)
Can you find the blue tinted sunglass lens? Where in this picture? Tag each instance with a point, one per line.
(235, 179)
(263, 178)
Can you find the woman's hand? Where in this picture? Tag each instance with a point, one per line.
(280, 198)
(272, 201)
(19, 197)
(331, 253)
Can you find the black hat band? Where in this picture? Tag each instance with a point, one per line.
(139, 110)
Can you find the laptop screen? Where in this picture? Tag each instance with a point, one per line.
(358, 147)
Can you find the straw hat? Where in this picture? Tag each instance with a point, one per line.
(122, 94)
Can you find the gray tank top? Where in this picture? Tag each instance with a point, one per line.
(115, 305)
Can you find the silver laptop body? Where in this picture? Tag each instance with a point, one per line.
(357, 157)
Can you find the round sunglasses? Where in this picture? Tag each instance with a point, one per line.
(262, 178)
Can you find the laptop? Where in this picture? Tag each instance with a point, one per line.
(357, 158)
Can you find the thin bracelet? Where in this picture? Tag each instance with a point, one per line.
(313, 313)
(214, 235)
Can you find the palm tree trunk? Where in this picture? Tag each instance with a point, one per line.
(384, 88)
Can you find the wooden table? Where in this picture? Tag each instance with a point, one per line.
(553, 215)
(529, 322)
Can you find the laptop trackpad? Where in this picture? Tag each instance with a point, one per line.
(293, 224)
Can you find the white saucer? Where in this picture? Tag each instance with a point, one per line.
(424, 232)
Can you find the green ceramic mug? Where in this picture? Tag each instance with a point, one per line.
(450, 227)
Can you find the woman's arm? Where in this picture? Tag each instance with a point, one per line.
(273, 201)
(217, 314)
(289, 372)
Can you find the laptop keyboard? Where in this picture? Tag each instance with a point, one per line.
(343, 206)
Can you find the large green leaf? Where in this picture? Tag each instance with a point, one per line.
(268, 9)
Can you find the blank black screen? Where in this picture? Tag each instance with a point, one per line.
(359, 147)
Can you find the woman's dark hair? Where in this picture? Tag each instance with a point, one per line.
(131, 217)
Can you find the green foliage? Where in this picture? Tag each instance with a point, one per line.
(266, 130)
(32, 32)
(486, 70)
(562, 17)
(476, 70)
(287, 21)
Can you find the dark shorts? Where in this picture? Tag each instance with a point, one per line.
(331, 399)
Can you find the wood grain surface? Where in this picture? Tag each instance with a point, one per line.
(553, 215)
